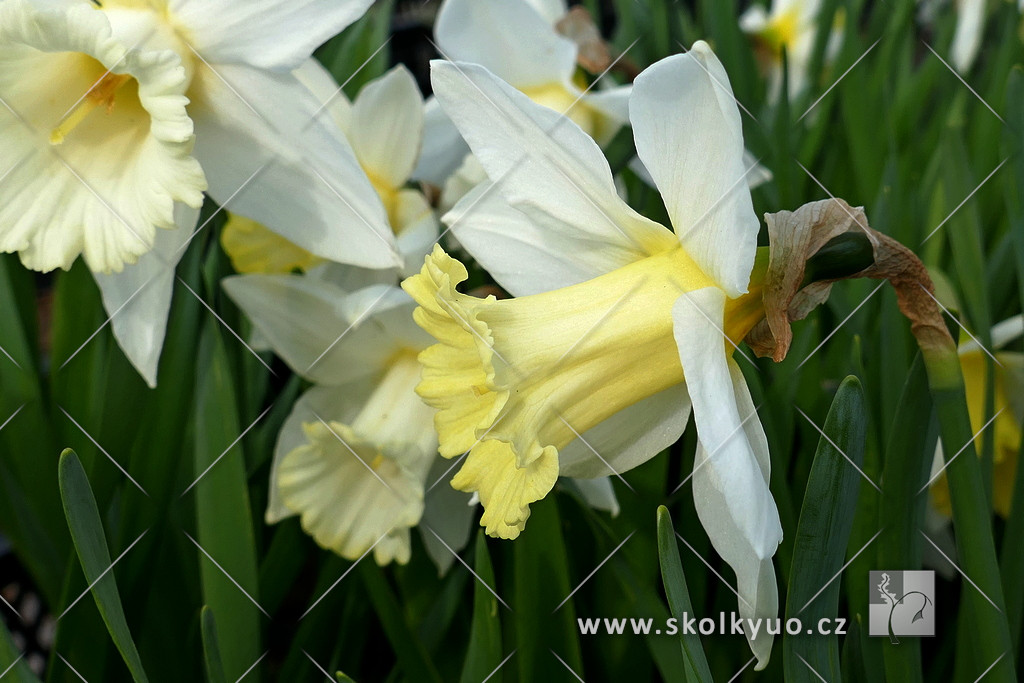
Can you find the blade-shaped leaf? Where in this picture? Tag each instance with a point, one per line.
(484, 654)
(91, 545)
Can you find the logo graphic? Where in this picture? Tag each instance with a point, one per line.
(901, 603)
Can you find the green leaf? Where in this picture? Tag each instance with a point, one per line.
(697, 670)
(223, 515)
(822, 534)
(544, 627)
(91, 545)
(408, 650)
(484, 654)
(211, 647)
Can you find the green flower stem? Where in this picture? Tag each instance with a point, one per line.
(972, 515)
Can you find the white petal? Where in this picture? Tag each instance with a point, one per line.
(598, 493)
(322, 332)
(507, 37)
(447, 513)
(543, 163)
(327, 92)
(970, 22)
(138, 299)
(730, 485)
(443, 147)
(331, 404)
(96, 139)
(629, 438)
(757, 174)
(1002, 334)
(352, 278)
(386, 129)
(688, 134)
(551, 10)
(272, 156)
(271, 34)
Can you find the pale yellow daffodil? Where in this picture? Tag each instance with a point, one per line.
(118, 115)
(1008, 412)
(792, 25)
(620, 325)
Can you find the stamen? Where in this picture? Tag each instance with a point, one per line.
(101, 94)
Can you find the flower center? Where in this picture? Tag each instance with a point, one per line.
(101, 94)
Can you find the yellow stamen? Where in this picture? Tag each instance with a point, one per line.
(101, 94)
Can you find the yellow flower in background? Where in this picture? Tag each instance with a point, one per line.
(792, 25)
(1008, 408)
(384, 127)
(118, 115)
(620, 325)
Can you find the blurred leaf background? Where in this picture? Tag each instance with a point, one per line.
(206, 591)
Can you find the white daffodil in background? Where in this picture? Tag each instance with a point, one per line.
(356, 456)
(1008, 411)
(118, 115)
(620, 324)
(517, 41)
(384, 126)
(792, 25)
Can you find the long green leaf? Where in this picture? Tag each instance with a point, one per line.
(484, 654)
(697, 670)
(211, 647)
(223, 515)
(86, 527)
(822, 534)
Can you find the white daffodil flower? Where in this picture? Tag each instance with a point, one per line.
(1007, 418)
(517, 41)
(970, 23)
(619, 325)
(356, 459)
(384, 126)
(118, 115)
(793, 25)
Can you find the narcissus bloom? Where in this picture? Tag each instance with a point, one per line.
(118, 115)
(517, 41)
(384, 126)
(793, 25)
(1008, 409)
(620, 326)
(353, 457)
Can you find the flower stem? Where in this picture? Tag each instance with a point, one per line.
(972, 516)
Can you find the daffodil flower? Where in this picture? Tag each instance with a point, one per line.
(384, 126)
(620, 325)
(118, 115)
(517, 41)
(1008, 392)
(792, 25)
(357, 457)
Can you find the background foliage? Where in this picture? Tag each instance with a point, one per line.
(935, 160)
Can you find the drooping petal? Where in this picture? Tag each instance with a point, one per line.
(323, 333)
(542, 163)
(386, 128)
(507, 37)
(970, 22)
(629, 438)
(350, 496)
(337, 404)
(447, 513)
(689, 136)
(273, 156)
(138, 299)
(730, 475)
(271, 34)
(96, 141)
(598, 493)
(327, 92)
